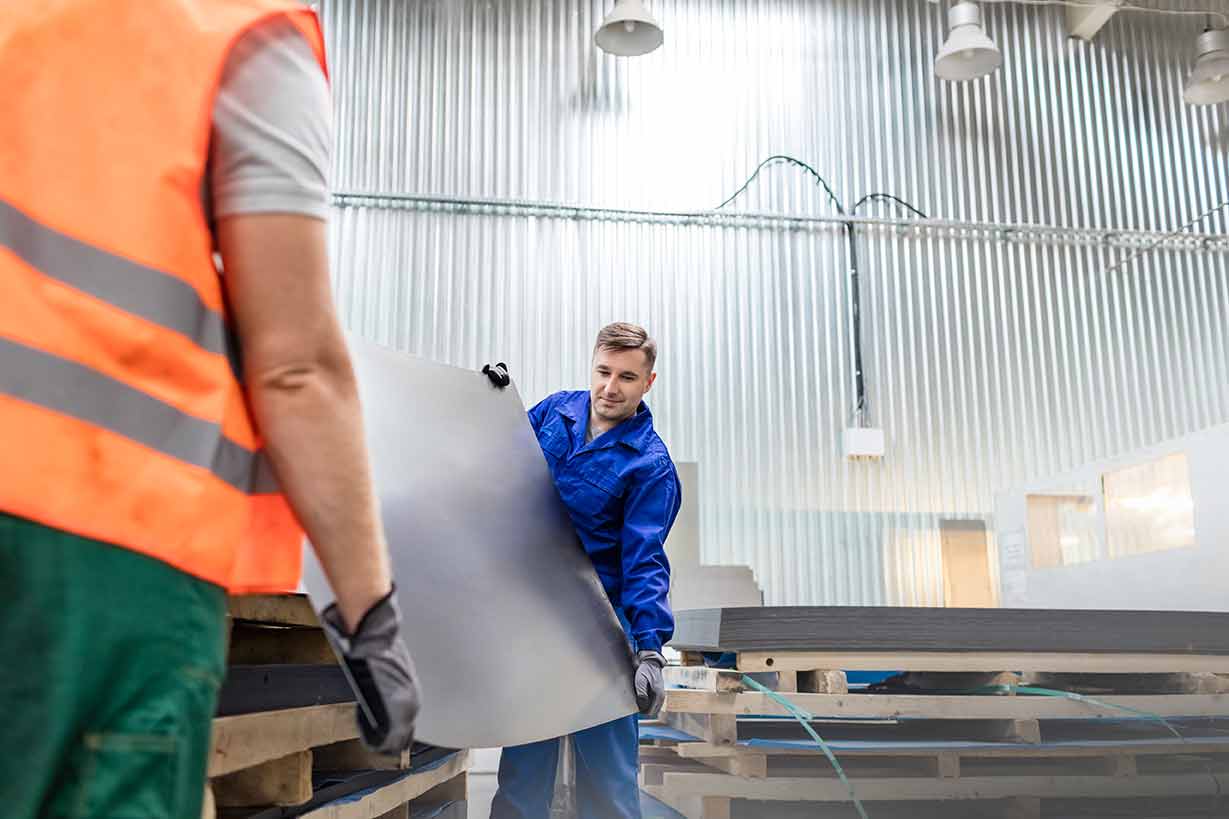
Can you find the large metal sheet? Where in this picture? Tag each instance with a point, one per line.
(903, 629)
(513, 636)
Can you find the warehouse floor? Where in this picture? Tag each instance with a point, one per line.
(481, 792)
(484, 765)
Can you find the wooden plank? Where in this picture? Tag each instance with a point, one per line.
(831, 789)
(279, 609)
(729, 681)
(752, 765)
(705, 750)
(256, 644)
(701, 750)
(949, 765)
(922, 706)
(890, 629)
(650, 754)
(716, 729)
(821, 682)
(283, 781)
(382, 800)
(651, 773)
(1015, 730)
(250, 739)
(992, 661)
(692, 807)
(1120, 765)
(1022, 807)
(1192, 683)
(399, 812)
(947, 682)
(721, 680)
(353, 755)
(454, 790)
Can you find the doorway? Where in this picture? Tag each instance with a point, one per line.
(966, 565)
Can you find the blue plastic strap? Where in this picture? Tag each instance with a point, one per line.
(804, 718)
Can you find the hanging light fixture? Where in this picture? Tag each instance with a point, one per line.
(629, 30)
(968, 52)
(1209, 80)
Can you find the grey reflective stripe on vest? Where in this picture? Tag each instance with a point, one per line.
(73, 389)
(143, 291)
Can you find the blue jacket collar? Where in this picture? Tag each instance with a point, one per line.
(633, 432)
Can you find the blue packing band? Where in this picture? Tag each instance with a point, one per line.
(804, 718)
(1011, 688)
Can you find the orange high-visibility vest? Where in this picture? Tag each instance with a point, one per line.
(122, 417)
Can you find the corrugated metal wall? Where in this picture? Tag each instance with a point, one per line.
(988, 362)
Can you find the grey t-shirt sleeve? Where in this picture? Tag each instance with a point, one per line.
(272, 127)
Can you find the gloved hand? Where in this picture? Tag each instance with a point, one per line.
(498, 374)
(650, 688)
(380, 666)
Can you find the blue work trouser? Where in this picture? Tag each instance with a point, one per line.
(607, 763)
(607, 758)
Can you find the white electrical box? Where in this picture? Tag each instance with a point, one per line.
(864, 442)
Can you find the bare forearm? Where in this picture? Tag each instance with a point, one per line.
(310, 417)
(302, 389)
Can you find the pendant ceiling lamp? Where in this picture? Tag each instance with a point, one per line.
(968, 52)
(1209, 80)
(629, 30)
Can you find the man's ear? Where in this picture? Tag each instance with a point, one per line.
(652, 378)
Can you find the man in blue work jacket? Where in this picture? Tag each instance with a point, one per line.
(617, 480)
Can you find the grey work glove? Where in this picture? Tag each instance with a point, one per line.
(380, 667)
(650, 688)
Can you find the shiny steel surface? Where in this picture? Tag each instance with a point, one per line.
(511, 632)
(993, 358)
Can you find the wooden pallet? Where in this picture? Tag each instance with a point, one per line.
(273, 610)
(258, 792)
(691, 707)
(443, 784)
(700, 795)
(1000, 757)
(248, 740)
(267, 759)
(1096, 754)
(703, 781)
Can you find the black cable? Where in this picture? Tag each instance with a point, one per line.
(855, 289)
(855, 309)
(792, 161)
(889, 197)
(856, 295)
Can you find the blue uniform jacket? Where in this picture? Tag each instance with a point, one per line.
(623, 494)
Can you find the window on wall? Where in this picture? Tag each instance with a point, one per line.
(1062, 530)
(1149, 508)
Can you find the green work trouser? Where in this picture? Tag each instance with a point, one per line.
(110, 664)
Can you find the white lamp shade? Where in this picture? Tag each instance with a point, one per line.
(1209, 80)
(629, 30)
(968, 52)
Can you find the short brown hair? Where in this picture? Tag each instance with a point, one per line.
(624, 336)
